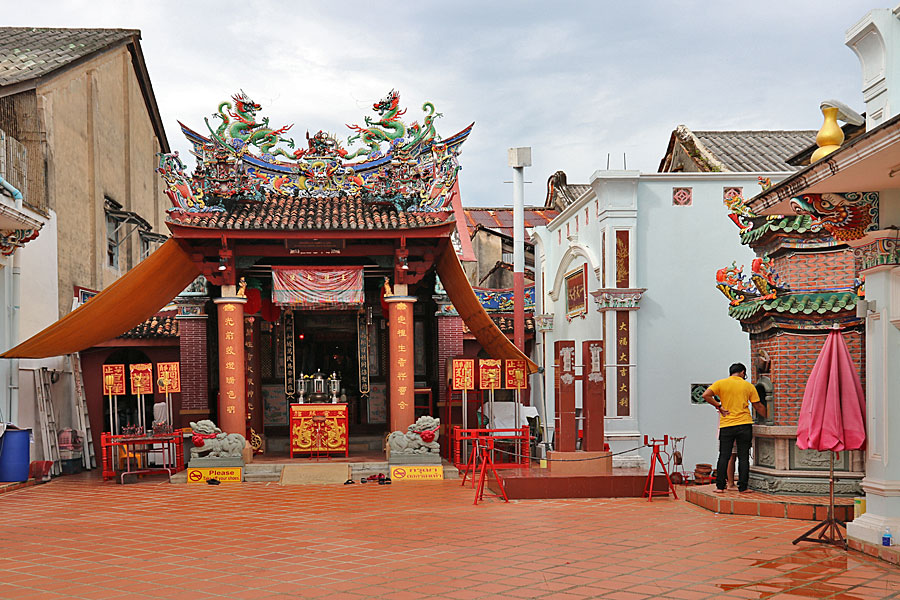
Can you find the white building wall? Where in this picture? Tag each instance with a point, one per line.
(681, 334)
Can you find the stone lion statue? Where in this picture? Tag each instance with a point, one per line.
(210, 441)
(420, 438)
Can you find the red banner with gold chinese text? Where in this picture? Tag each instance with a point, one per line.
(318, 287)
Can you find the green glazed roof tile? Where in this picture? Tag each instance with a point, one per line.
(807, 304)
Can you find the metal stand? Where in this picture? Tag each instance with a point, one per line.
(830, 528)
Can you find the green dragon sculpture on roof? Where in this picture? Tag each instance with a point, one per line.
(409, 165)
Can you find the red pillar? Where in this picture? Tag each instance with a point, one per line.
(593, 394)
(402, 367)
(566, 426)
(232, 380)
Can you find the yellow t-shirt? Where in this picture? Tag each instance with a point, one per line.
(735, 394)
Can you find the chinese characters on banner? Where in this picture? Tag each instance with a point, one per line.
(290, 380)
(622, 333)
(252, 380)
(402, 370)
(576, 292)
(318, 287)
(515, 374)
(623, 372)
(141, 378)
(362, 342)
(463, 374)
(232, 403)
(564, 351)
(169, 380)
(489, 375)
(113, 380)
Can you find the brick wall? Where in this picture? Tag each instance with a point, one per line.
(194, 389)
(816, 270)
(450, 345)
(793, 356)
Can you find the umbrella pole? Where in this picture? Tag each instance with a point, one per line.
(831, 532)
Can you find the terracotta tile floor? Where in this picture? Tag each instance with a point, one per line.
(79, 538)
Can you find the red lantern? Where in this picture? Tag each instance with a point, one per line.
(270, 312)
(254, 301)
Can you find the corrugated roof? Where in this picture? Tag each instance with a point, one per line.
(756, 151)
(31, 52)
(287, 212)
(501, 219)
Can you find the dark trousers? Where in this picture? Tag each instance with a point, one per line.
(743, 436)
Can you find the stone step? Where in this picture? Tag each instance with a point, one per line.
(271, 472)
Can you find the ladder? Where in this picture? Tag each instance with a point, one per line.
(47, 419)
(81, 414)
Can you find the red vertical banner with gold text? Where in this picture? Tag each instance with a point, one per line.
(232, 380)
(623, 371)
(253, 382)
(113, 380)
(566, 433)
(622, 332)
(490, 373)
(402, 363)
(593, 394)
(463, 374)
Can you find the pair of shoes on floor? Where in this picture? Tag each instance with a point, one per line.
(349, 481)
(384, 481)
(213, 481)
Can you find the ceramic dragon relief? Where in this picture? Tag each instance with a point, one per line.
(243, 157)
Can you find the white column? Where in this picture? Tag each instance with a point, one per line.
(882, 480)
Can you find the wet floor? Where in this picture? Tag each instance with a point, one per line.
(79, 538)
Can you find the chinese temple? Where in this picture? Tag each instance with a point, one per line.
(312, 269)
(801, 285)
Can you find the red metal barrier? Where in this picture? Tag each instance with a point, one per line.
(511, 446)
(135, 451)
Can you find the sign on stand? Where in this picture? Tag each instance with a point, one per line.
(113, 387)
(223, 474)
(417, 473)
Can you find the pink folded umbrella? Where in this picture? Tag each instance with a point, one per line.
(832, 418)
(832, 415)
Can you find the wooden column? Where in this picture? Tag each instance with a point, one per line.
(402, 367)
(232, 380)
(566, 426)
(593, 394)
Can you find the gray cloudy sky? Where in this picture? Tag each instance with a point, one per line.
(574, 80)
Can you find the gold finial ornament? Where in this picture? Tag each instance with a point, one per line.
(830, 136)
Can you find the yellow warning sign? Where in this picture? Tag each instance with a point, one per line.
(223, 474)
(417, 473)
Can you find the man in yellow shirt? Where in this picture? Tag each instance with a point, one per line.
(735, 395)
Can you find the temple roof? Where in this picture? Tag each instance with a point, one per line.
(785, 224)
(734, 151)
(798, 304)
(157, 326)
(310, 212)
(561, 193)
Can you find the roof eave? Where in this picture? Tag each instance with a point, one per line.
(776, 200)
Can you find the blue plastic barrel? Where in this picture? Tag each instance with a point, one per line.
(15, 455)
